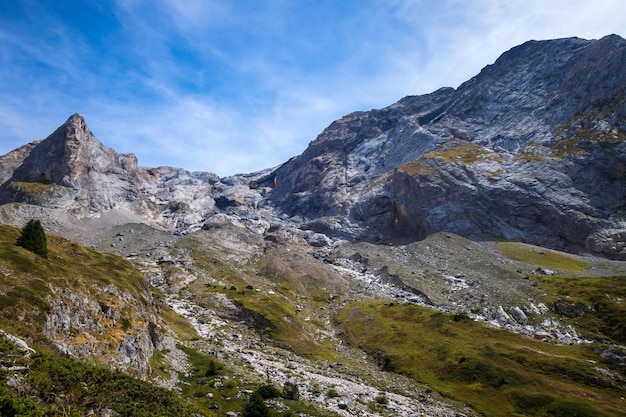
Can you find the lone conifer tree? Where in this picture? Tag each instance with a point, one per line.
(33, 238)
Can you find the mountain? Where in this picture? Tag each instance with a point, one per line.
(531, 149)
(458, 253)
(71, 170)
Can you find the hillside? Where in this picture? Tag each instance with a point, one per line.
(274, 309)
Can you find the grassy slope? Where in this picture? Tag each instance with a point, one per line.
(25, 278)
(496, 372)
(599, 298)
(59, 385)
(24, 288)
(500, 373)
(67, 387)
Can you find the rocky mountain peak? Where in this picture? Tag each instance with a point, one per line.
(69, 156)
(521, 151)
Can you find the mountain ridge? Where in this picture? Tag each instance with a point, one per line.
(528, 128)
(517, 126)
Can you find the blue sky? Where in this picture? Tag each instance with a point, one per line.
(233, 86)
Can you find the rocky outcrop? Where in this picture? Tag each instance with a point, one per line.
(105, 324)
(72, 170)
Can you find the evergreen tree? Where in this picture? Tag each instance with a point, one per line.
(33, 238)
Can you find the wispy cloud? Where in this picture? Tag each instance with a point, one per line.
(229, 87)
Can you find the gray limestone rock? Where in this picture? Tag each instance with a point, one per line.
(531, 149)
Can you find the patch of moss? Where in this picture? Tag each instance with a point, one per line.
(464, 154)
(528, 156)
(419, 166)
(567, 147)
(31, 187)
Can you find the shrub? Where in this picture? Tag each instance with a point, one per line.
(33, 238)
(268, 391)
(332, 393)
(255, 407)
(382, 399)
(291, 391)
(462, 316)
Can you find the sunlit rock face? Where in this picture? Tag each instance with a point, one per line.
(533, 149)
(72, 170)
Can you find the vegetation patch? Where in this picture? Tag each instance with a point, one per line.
(567, 147)
(464, 154)
(271, 293)
(26, 280)
(61, 386)
(496, 372)
(542, 257)
(529, 156)
(419, 166)
(595, 306)
(32, 188)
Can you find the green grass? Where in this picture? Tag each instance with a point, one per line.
(464, 154)
(603, 300)
(496, 372)
(69, 261)
(600, 300)
(542, 257)
(25, 278)
(205, 377)
(32, 187)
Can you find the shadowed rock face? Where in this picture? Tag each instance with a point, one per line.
(73, 157)
(533, 149)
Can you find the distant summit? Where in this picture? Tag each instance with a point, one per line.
(72, 156)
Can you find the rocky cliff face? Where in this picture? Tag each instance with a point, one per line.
(531, 149)
(106, 324)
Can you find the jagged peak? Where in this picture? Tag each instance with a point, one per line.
(74, 128)
(76, 117)
(67, 154)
